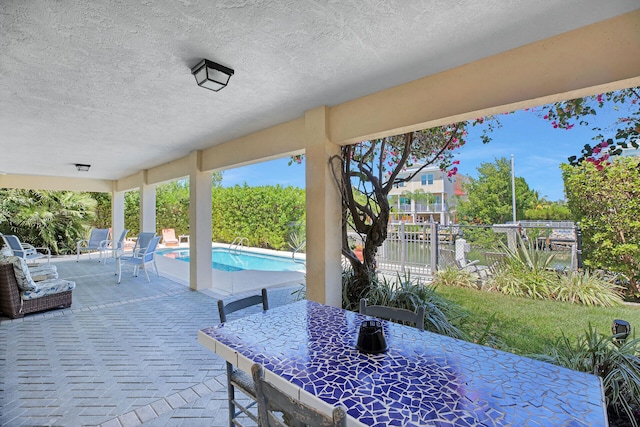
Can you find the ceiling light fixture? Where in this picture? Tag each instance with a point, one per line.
(210, 75)
(82, 168)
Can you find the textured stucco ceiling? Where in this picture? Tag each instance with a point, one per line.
(108, 83)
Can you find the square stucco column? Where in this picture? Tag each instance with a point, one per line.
(199, 224)
(117, 213)
(147, 206)
(323, 207)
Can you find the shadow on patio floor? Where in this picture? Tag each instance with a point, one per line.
(122, 355)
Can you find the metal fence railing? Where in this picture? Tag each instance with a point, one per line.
(477, 243)
(410, 248)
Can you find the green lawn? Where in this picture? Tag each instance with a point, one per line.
(527, 325)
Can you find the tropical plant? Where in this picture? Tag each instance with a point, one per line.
(405, 292)
(583, 287)
(53, 219)
(617, 363)
(451, 276)
(525, 272)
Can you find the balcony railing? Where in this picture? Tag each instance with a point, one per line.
(424, 208)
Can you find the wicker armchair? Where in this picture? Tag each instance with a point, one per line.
(13, 306)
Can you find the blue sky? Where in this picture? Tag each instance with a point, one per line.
(538, 151)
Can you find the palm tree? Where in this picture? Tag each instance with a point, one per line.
(55, 219)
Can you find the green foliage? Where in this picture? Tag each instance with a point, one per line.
(265, 215)
(103, 210)
(172, 206)
(490, 195)
(525, 272)
(270, 217)
(582, 287)
(582, 111)
(372, 168)
(483, 237)
(132, 212)
(451, 276)
(616, 363)
(606, 203)
(548, 211)
(407, 293)
(53, 219)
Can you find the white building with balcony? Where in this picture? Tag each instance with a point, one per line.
(429, 195)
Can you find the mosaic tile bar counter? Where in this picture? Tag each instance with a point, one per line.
(424, 379)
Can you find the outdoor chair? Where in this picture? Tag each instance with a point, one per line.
(98, 240)
(25, 251)
(395, 314)
(495, 261)
(449, 258)
(143, 241)
(235, 377)
(116, 248)
(140, 260)
(169, 237)
(294, 413)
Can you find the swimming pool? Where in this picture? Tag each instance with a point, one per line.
(238, 260)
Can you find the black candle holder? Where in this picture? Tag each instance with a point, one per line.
(371, 338)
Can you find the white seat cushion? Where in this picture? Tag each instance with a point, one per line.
(49, 287)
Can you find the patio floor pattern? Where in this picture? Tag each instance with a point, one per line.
(121, 355)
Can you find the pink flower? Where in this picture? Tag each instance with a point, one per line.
(604, 144)
(456, 162)
(596, 150)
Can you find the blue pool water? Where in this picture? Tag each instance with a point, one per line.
(226, 260)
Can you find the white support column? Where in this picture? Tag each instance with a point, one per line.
(147, 206)
(117, 213)
(323, 207)
(199, 224)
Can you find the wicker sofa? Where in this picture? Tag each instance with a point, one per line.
(20, 294)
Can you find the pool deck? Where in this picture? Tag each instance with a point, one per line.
(235, 282)
(121, 355)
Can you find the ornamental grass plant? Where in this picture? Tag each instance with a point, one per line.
(590, 289)
(452, 276)
(525, 272)
(441, 315)
(616, 361)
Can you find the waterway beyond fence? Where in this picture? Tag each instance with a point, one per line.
(410, 248)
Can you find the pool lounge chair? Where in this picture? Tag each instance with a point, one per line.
(169, 237)
(98, 240)
(113, 249)
(142, 241)
(140, 260)
(25, 251)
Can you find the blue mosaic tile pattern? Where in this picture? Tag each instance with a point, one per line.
(424, 379)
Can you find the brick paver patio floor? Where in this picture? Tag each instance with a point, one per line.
(122, 355)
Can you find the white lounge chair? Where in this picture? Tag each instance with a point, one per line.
(140, 260)
(26, 251)
(98, 240)
(113, 249)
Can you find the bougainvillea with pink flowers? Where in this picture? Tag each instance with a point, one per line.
(582, 111)
(367, 172)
